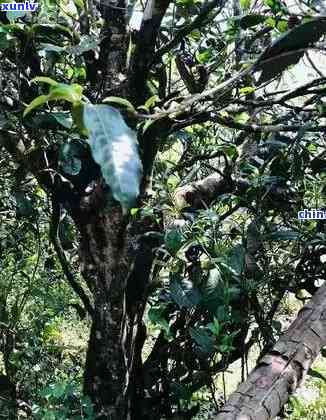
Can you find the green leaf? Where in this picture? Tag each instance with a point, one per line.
(271, 22)
(87, 43)
(119, 102)
(51, 48)
(215, 327)
(247, 90)
(315, 374)
(275, 5)
(242, 118)
(69, 157)
(173, 240)
(70, 93)
(79, 4)
(245, 4)
(156, 316)
(202, 338)
(204, 56)
(282, 25)
(62, 118)
(58, 390)
(183, 297)
(5, 40)
(180, 391)
(251, 20)
(24, 206)
(44, 79)
(77, 113)
(147, 125)
(51, 30)
(212, 291)
(185, 3)
(58, 91)
(114, 147)
(151, 101)
(50, 121)
(235, 260)
(37, 102)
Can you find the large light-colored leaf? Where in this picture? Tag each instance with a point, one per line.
(114, 147)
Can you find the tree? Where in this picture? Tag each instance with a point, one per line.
(89, 102)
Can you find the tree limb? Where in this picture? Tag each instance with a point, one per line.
(53, 234)
(250, 128)
(279, 373)
(143, 49)
(198, 22)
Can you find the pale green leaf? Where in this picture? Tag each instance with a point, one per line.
(245, 4)
(79, 4)
(242, 118)
(44, 79)
(247, 90)
(151, 101)
(58, 91)
(120, 102)
(114, 147)
(40, 100)
(70, 93)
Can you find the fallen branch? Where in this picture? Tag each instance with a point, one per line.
(279, 373)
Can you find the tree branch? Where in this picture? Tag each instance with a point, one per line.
(141, 58)
(250, 128)
(279, 373)
(198, 22)
(53, 234)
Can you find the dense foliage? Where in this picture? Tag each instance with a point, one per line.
(154, 161)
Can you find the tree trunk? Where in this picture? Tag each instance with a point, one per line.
(282, 370)
(106, 263)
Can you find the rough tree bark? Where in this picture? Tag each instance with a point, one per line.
(107, 254)
(281, 371)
